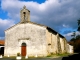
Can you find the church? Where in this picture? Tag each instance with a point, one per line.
(29, 38)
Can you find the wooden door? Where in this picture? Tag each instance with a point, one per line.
(23, 49)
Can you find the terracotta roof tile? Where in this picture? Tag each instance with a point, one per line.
(2, 42)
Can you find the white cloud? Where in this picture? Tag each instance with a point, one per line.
(5, 24)
(65, 26)
(68, 35)
(77, 33)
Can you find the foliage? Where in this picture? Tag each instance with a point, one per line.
(18, 54)
(75, 42)
(74, 34)
(78, 37)
(78, 25)
(73, 39)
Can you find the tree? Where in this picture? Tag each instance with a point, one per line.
(78, 25)
(78, 37)
(74, 35)
(75, 41)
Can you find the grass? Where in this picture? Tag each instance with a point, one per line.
(64, 54)
(52, 55)
(14, 57)
(58, 55)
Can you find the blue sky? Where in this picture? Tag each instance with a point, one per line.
(38, 1)
(60, 15)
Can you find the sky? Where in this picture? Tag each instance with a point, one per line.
(60, 15)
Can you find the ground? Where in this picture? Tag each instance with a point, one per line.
(60, 58)
(68, 57)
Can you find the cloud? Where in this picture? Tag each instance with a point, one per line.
(5, 24)
(66, 26)
(68, 35)
(58, 14)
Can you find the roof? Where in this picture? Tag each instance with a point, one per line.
(24, 23)
(2, 42)
(38, 25)
(55, 32)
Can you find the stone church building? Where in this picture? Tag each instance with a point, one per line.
(29, 38)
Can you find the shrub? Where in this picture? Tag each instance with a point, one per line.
(18, 54)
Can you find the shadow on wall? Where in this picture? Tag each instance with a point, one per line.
(71, 57)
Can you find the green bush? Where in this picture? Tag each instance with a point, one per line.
(18, 54)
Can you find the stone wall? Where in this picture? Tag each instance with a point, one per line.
(65, 45)
(38, 39)
(33, 35)
(48, 39)
(62, 45)
(55, 43)
(69, 48)
(52, 42)
(58, 44)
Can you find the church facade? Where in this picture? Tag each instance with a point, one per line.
(29, 38)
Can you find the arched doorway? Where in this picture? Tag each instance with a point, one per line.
(23, 49)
